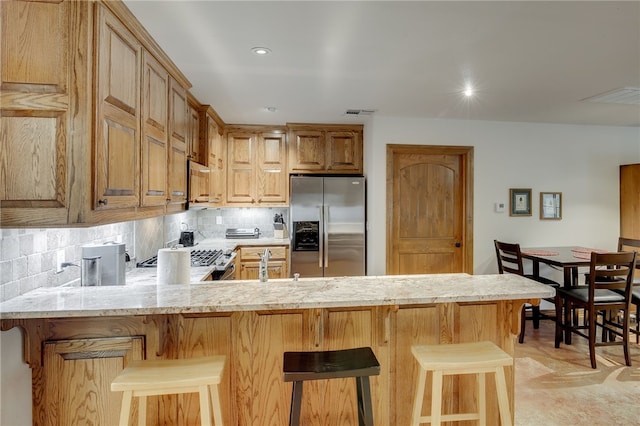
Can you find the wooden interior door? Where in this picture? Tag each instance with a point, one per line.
(429, 209)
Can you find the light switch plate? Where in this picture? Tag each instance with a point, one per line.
(499, 207)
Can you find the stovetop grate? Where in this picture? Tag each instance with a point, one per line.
(198, 258)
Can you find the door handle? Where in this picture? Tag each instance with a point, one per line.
(320, 239)
(326, 236)
(458, 244)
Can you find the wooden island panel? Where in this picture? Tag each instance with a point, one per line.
(252, 390)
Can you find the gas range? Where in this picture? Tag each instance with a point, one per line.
(219, 260)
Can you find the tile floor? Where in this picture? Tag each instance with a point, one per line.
(558, 387)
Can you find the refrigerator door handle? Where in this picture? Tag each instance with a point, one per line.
(325, 217)
(321, 232)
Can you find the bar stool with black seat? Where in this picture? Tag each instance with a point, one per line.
(608, 289)
(509, 259)
(142, 378)
(359, 363)
(477, 358)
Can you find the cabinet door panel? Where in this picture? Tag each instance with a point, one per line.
(155, 120)
(217, 180)
(206, 336)
(240, 172)
(271, 174)
(178, 109)
(307, 151)
(344, 329)
(344, 151)
(33, 158)
(35, 58)
(275, 334)
(117, 144)
(122, 60)
(27, 29)
(78, 376)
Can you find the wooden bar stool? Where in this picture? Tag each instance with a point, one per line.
(463, 358)
(359, 363)
(170, 376)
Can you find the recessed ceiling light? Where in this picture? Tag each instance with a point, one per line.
(261, 51)
(468, 91)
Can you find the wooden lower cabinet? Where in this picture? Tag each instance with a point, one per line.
(78, 375)
(249, 262)
(74, 361)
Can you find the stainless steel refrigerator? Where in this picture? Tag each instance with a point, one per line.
(328, 237)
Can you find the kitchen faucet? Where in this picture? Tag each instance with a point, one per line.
(263, 275)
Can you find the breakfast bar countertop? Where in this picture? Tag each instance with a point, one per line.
(238, 295)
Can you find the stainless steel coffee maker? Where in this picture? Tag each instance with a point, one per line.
(112, 266)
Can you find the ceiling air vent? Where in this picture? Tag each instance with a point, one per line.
(359, 112)
(625, 95)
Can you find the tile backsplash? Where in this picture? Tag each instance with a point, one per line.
(28, 257)
(212, 223)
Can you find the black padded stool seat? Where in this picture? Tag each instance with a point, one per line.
(359, 363)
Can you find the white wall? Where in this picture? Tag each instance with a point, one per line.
(15, 387)
(582, 162)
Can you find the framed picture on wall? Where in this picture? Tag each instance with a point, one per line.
(551, 205)
(520, 202)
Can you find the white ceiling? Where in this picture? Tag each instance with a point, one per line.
(530, 61)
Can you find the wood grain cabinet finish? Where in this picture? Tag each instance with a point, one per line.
(84, 97)
(216, 150)
(630, 201)
(195, 149)
(38, 98)
(117, 141)
(73, 360)
(326, 148)
(155, 131)
(256, 167)
(178, 139)
(78, 375)
(249, 262)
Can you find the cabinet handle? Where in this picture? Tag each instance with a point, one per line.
(103, 202)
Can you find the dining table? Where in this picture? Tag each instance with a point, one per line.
(569, 258)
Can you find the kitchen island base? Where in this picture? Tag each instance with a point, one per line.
(74, 360)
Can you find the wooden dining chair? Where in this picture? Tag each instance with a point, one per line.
(509, 259)
(630, 244)
(608, 289)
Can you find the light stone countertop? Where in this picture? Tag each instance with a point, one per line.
(146, 298)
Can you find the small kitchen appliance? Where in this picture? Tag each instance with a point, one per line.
(112, 260)
(242, 233)
(186, 238)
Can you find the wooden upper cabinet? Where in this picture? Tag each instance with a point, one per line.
(117, 141)
(240, 167)
(271, 168)
(195, 147)
(344, 151)
(325, 148)
(178, 131)
(155, 122)
(217, 151)
(256, 166)
(35, 57)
